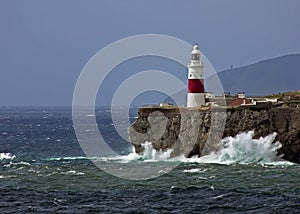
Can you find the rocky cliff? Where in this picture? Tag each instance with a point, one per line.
(198, 131)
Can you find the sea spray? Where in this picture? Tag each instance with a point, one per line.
(151, 154)
(241, 149)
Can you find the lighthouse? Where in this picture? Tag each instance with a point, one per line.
(195, 96)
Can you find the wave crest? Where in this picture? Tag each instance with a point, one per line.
(243, 149)
(6, 156)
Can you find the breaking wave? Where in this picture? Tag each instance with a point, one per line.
(6, 156)
(241, 149)
(149, 154)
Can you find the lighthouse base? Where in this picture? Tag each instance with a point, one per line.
(195, 99)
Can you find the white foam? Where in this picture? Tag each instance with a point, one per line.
(243, 149)
(152, 154)
(218, 196)
(8, 176)
(7, 156)
(22, 163)
(71, 158)
(149, 155)
(72, 172)
(194, 170)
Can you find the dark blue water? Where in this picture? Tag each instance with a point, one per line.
(43, 169)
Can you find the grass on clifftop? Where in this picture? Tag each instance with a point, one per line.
(281, 95)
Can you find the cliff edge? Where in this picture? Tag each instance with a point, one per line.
(198, 131)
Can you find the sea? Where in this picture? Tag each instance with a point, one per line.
(43, 169)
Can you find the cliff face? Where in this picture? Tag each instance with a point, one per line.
(199, 131)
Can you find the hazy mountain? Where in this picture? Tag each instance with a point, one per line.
(269, 76)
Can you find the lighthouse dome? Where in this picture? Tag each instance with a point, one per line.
(195, 49)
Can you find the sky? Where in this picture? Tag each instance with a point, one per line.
(44, 45)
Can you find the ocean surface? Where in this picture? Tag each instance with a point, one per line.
(43, 169)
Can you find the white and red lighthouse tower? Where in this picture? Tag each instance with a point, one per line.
(195, 96)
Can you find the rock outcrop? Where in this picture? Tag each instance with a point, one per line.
(198, 131)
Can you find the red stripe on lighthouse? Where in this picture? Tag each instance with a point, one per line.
(195, 86)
